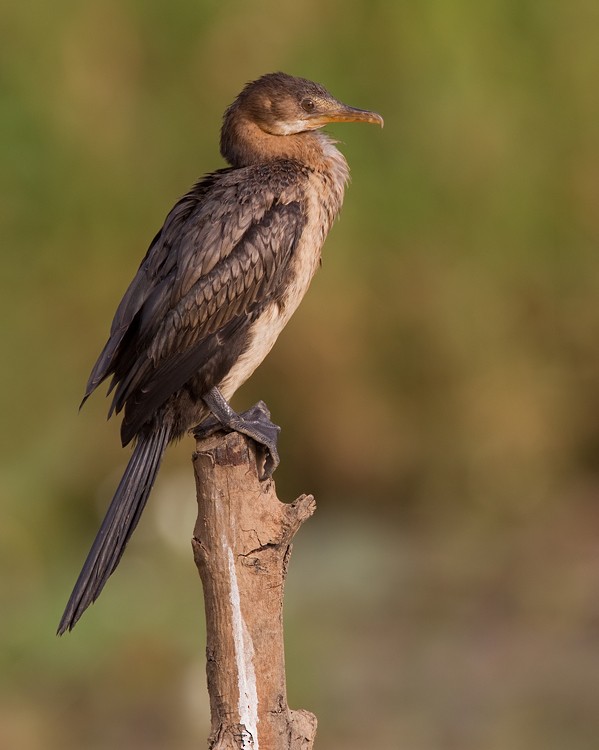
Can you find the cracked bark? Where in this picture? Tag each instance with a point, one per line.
(241, 544)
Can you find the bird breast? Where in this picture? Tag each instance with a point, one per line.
(324, 197)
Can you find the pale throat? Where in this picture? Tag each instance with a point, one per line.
(251, 144)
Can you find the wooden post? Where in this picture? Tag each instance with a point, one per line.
(241, 545)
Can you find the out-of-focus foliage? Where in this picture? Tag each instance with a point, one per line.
(438, 390)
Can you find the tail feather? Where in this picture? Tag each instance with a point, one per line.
(118, 525)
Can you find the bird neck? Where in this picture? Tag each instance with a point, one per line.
(244, 143)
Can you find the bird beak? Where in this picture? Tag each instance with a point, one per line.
(344, 113)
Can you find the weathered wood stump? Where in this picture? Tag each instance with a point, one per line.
(242, 543)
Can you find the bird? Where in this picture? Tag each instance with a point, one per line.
(220, 280)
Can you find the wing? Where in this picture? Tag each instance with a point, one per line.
(214, 266)
(157, 265)
(195, 338)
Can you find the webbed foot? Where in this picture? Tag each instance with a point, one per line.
(255, 423)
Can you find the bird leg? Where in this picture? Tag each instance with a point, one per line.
(255, 423)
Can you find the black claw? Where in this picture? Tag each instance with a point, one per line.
(270, 464)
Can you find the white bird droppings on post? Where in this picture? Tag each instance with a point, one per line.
(244, 659)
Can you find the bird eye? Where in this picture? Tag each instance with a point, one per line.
(308, 104)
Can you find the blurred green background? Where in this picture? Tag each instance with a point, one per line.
(438, 389)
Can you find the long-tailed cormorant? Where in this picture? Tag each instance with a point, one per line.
(219, 282)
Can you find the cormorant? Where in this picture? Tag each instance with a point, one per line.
(219, 282)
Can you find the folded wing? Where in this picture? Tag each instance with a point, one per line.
(220, 258)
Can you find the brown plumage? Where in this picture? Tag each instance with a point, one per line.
(219, 282)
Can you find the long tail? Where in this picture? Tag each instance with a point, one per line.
(118, 525)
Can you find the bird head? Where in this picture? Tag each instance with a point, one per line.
(282, 105)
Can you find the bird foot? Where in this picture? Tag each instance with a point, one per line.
(255, 423)
(207, 428)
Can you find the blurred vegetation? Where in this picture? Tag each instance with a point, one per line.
(438, 389)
